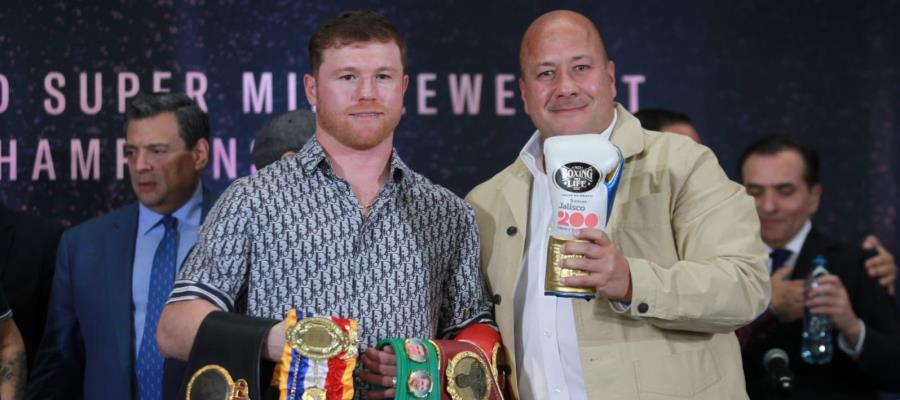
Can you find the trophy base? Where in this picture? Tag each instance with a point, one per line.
(552, 285)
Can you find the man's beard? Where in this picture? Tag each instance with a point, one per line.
(362, 136)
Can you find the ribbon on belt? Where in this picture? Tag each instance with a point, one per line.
(318, 358)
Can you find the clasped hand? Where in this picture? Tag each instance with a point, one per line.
(608, 270)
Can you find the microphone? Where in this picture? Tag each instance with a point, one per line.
(776, 363)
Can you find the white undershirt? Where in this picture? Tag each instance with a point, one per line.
(547, 354)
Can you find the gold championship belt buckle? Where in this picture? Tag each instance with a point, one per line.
(468, 377)
(320, 338)
(213, 382)
(318, 359)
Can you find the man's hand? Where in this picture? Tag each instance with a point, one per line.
(830, 298)
(608, 270)
(275, 342)
(787, 295)
(882, 265)
(380, 369)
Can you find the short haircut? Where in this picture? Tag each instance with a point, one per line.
(353, 27)
(193, 123)
(774, 144)
(655, 119)
(286, 132)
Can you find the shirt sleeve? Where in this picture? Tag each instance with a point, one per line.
(465, 300)
(720, 281)
(856, 351)
(216, 268)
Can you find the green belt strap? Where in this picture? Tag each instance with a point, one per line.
(418, 375)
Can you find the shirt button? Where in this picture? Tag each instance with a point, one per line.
(547, 333)
(557, 390)
(511, 231)
(643, 307)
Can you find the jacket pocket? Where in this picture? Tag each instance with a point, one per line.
(684, 374)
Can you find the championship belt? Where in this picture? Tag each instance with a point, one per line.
(318, 359)
(443, 369)
(214, 382)
(488, 341)
(418, 368)
(468, 372)
(225, 359)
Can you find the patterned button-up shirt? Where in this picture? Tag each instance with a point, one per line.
(295, 235)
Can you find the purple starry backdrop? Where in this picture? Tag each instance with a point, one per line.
(828, 72)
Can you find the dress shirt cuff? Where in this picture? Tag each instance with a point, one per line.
(642, 294)
(855, 352)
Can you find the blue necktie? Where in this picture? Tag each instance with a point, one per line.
(149, 359)
(779, 257)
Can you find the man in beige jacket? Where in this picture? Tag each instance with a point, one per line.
(680, 266)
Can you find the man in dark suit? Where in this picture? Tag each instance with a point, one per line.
(880, 265)
(27, 256)
(114, 272)
(782, 174)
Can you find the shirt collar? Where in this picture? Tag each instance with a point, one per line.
(312, 156)
(189, 213)
(796, 243)
(533, 151)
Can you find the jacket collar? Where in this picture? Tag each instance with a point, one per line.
(628, 133)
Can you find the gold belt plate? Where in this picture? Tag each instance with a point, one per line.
(313, 393)
(214, 382)
(468, 377)
(319, 338)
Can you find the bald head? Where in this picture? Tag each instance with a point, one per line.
(553, 22)
(568, 84)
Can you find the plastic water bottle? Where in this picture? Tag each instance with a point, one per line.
(816, 348)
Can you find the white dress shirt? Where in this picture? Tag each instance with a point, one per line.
(547, 354)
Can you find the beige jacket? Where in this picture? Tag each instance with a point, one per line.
(698, 270)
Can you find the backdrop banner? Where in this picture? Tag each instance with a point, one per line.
(828, 72)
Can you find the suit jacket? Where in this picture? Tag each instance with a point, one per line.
(88, 347)
(842, 378)
(27, 256)
(691, 238)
